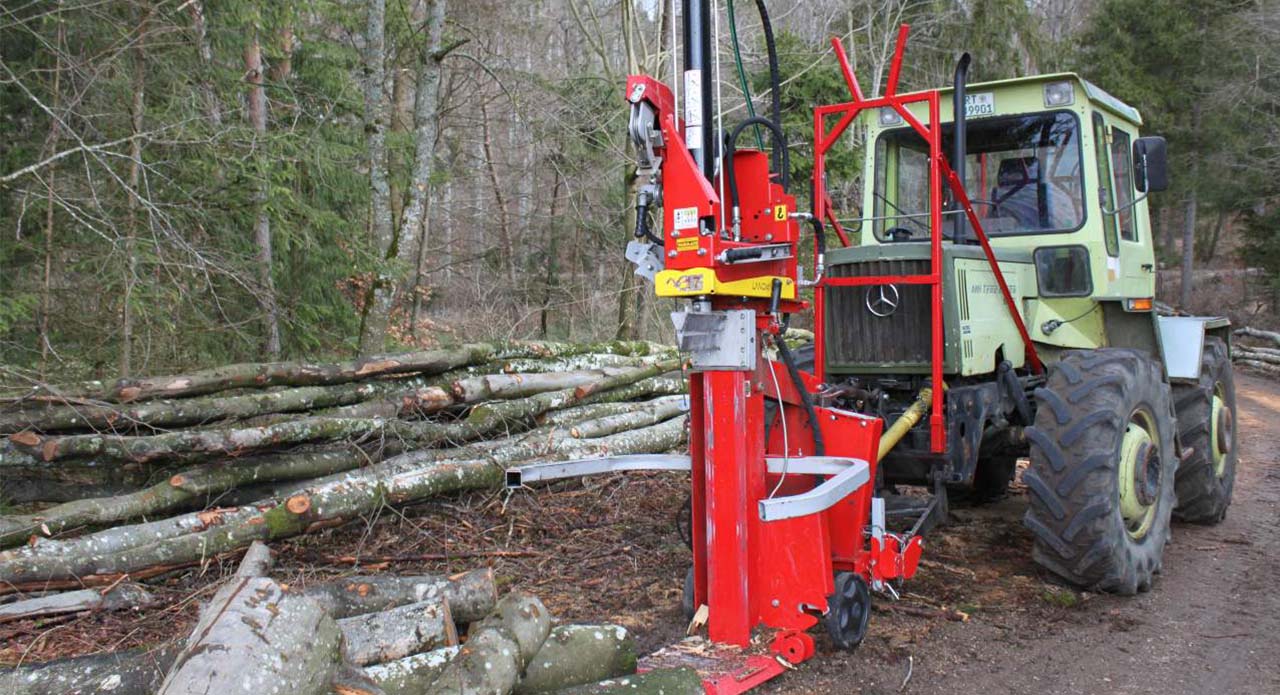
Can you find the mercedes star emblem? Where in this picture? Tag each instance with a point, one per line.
(882, 300)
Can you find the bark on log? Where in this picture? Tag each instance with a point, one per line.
(255, 637)
(577, 655)
(1257, 355)
(488, 417)
(1272, 336)
(665, 385)
(103, 556)
(188, 486)
(412, 675)
(482, 420)
(393, 634)
(1269, 369)
(498, 648)
(578, 362)
(132, 672)
(652, 413)
(263, 375)
(470, 595)
(183, 412)
(120, 597)
(507, 386)
(666, 681)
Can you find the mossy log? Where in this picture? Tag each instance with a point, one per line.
(130, 672)
(102, 557)
(411, 675)
(651, 413)
(506, 386)
(393, 634)
(470, 595)
(483, 420)
(1272, 336)
(497, 648)
(579, 654)
(182, 412)
(253, 636)
(263, 375)
(188, 486)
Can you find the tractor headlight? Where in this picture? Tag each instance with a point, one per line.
(889, 116)
(1059, 94)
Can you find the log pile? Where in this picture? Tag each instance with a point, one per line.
(364, 636)
(300, 446)
(111, 485)
(1258, 350)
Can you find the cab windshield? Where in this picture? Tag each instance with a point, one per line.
(1022, 174)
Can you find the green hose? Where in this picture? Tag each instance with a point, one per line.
(742, 73)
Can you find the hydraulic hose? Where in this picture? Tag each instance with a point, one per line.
(806, 400)
(779, 147)
(820, 246)
(775, 82)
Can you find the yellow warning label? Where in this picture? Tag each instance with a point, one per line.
(689, 243)
(780, 213)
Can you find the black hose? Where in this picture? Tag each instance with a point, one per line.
(819, 447)
(819, 238)
(775, 86)
(779, 148)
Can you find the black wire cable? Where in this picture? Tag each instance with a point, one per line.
(806, 399)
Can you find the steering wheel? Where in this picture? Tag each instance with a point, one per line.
(898, 234)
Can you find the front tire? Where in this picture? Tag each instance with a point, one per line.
(1102, 470)
(1206, 425)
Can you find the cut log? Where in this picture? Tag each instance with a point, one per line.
(487, 417)
(524, 618)
(1263, 367)
(1257, 355)
(180, 413)
(103, 556)
(187, 486)
(411, 675)
(255, 637)
(132, 672)
(263, 375)
(497, 648)
(662, 681)
(393, 634)
(578, 362)
(470, 595)
(120, 597)
(652, 413)
(665, 385)
(577, 655)
(482, 420)
(507, 386)
(1272, 336)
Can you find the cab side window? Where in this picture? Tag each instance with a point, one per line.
(1122, 165)
(1106, 191)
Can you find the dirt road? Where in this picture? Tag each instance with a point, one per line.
(1210, 625)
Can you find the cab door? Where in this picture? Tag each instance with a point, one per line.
(1126, 228)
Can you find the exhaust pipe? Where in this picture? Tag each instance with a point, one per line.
(959, 127)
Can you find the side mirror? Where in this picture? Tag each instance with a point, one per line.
(1150, 164)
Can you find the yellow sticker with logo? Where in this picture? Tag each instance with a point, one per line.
(779, 213)
(689, 243)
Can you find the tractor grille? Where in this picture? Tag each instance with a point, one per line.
(855, 336)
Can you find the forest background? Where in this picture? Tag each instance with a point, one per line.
(191, 182)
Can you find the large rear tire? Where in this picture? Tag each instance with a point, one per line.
(1102, 470)
(1206, 425)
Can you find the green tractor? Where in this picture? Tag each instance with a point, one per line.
(1130, 422)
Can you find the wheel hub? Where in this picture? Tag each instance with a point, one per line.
(1139, 477)
(1221, 425)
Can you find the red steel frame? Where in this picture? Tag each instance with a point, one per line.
(938, 168)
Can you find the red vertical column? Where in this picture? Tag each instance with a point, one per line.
(938, 443)
(725, 463)
(698, 495)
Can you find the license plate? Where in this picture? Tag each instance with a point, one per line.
(981, 104)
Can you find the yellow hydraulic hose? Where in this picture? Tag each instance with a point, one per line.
(905, 422)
